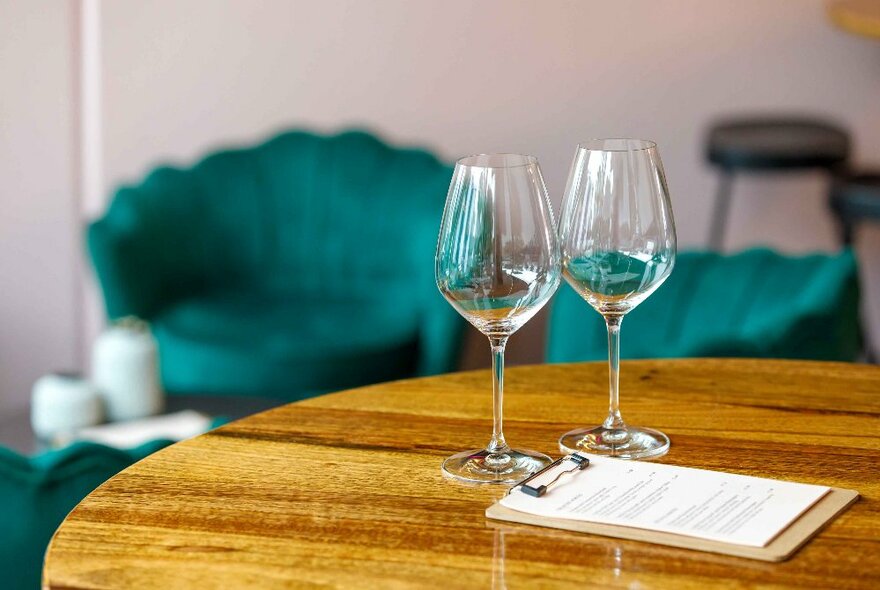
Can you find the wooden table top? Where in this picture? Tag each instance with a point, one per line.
(860, 17)
(345, 490)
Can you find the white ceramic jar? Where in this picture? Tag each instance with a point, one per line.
(125, 369)
(62, 403)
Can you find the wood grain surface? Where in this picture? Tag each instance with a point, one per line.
(345, 490)
(860, 17)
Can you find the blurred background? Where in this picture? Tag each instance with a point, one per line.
(176, 80)
(96, 95)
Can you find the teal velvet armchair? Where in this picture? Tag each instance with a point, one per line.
(291, 268)
(37, 493)
(753, 304)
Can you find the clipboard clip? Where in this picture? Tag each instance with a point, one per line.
(578, 463)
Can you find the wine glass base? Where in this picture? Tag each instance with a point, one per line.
(626, 443)
(481, 466)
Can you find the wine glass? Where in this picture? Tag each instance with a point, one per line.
(497, 264)
(617, 238)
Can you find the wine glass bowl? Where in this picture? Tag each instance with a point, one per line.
(616, 282)
(618, 244)
(499, 304)
(497, 264)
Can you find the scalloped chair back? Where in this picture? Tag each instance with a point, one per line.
(298, 266)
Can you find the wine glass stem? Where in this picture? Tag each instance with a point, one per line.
(497, 444)
(614, 420)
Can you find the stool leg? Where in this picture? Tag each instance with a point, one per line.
(870, 355)
(846, 232)
(719, 212)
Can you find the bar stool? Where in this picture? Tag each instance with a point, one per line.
(769, 143)
(855, 198)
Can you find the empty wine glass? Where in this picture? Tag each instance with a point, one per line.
(497, 263)
(617, 238)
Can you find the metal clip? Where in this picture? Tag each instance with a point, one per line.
(579, 463)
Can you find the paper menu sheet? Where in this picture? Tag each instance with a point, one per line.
(705, 504)
(131, 433)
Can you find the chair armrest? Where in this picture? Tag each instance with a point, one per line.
(826, 325)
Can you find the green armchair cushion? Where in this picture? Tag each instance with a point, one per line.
(757, 303)
(293, 267)
(230, 342)
(37, 493)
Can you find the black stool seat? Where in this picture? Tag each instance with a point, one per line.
(777, 143)
(857, 196)
(854, 198)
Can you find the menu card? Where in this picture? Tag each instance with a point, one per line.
(723, 507)
(131, 433)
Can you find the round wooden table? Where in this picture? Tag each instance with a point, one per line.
(345, 490)
(860, 17)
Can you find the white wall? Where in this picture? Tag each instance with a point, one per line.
(37, 230)
(465, 77)
(182, 77)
